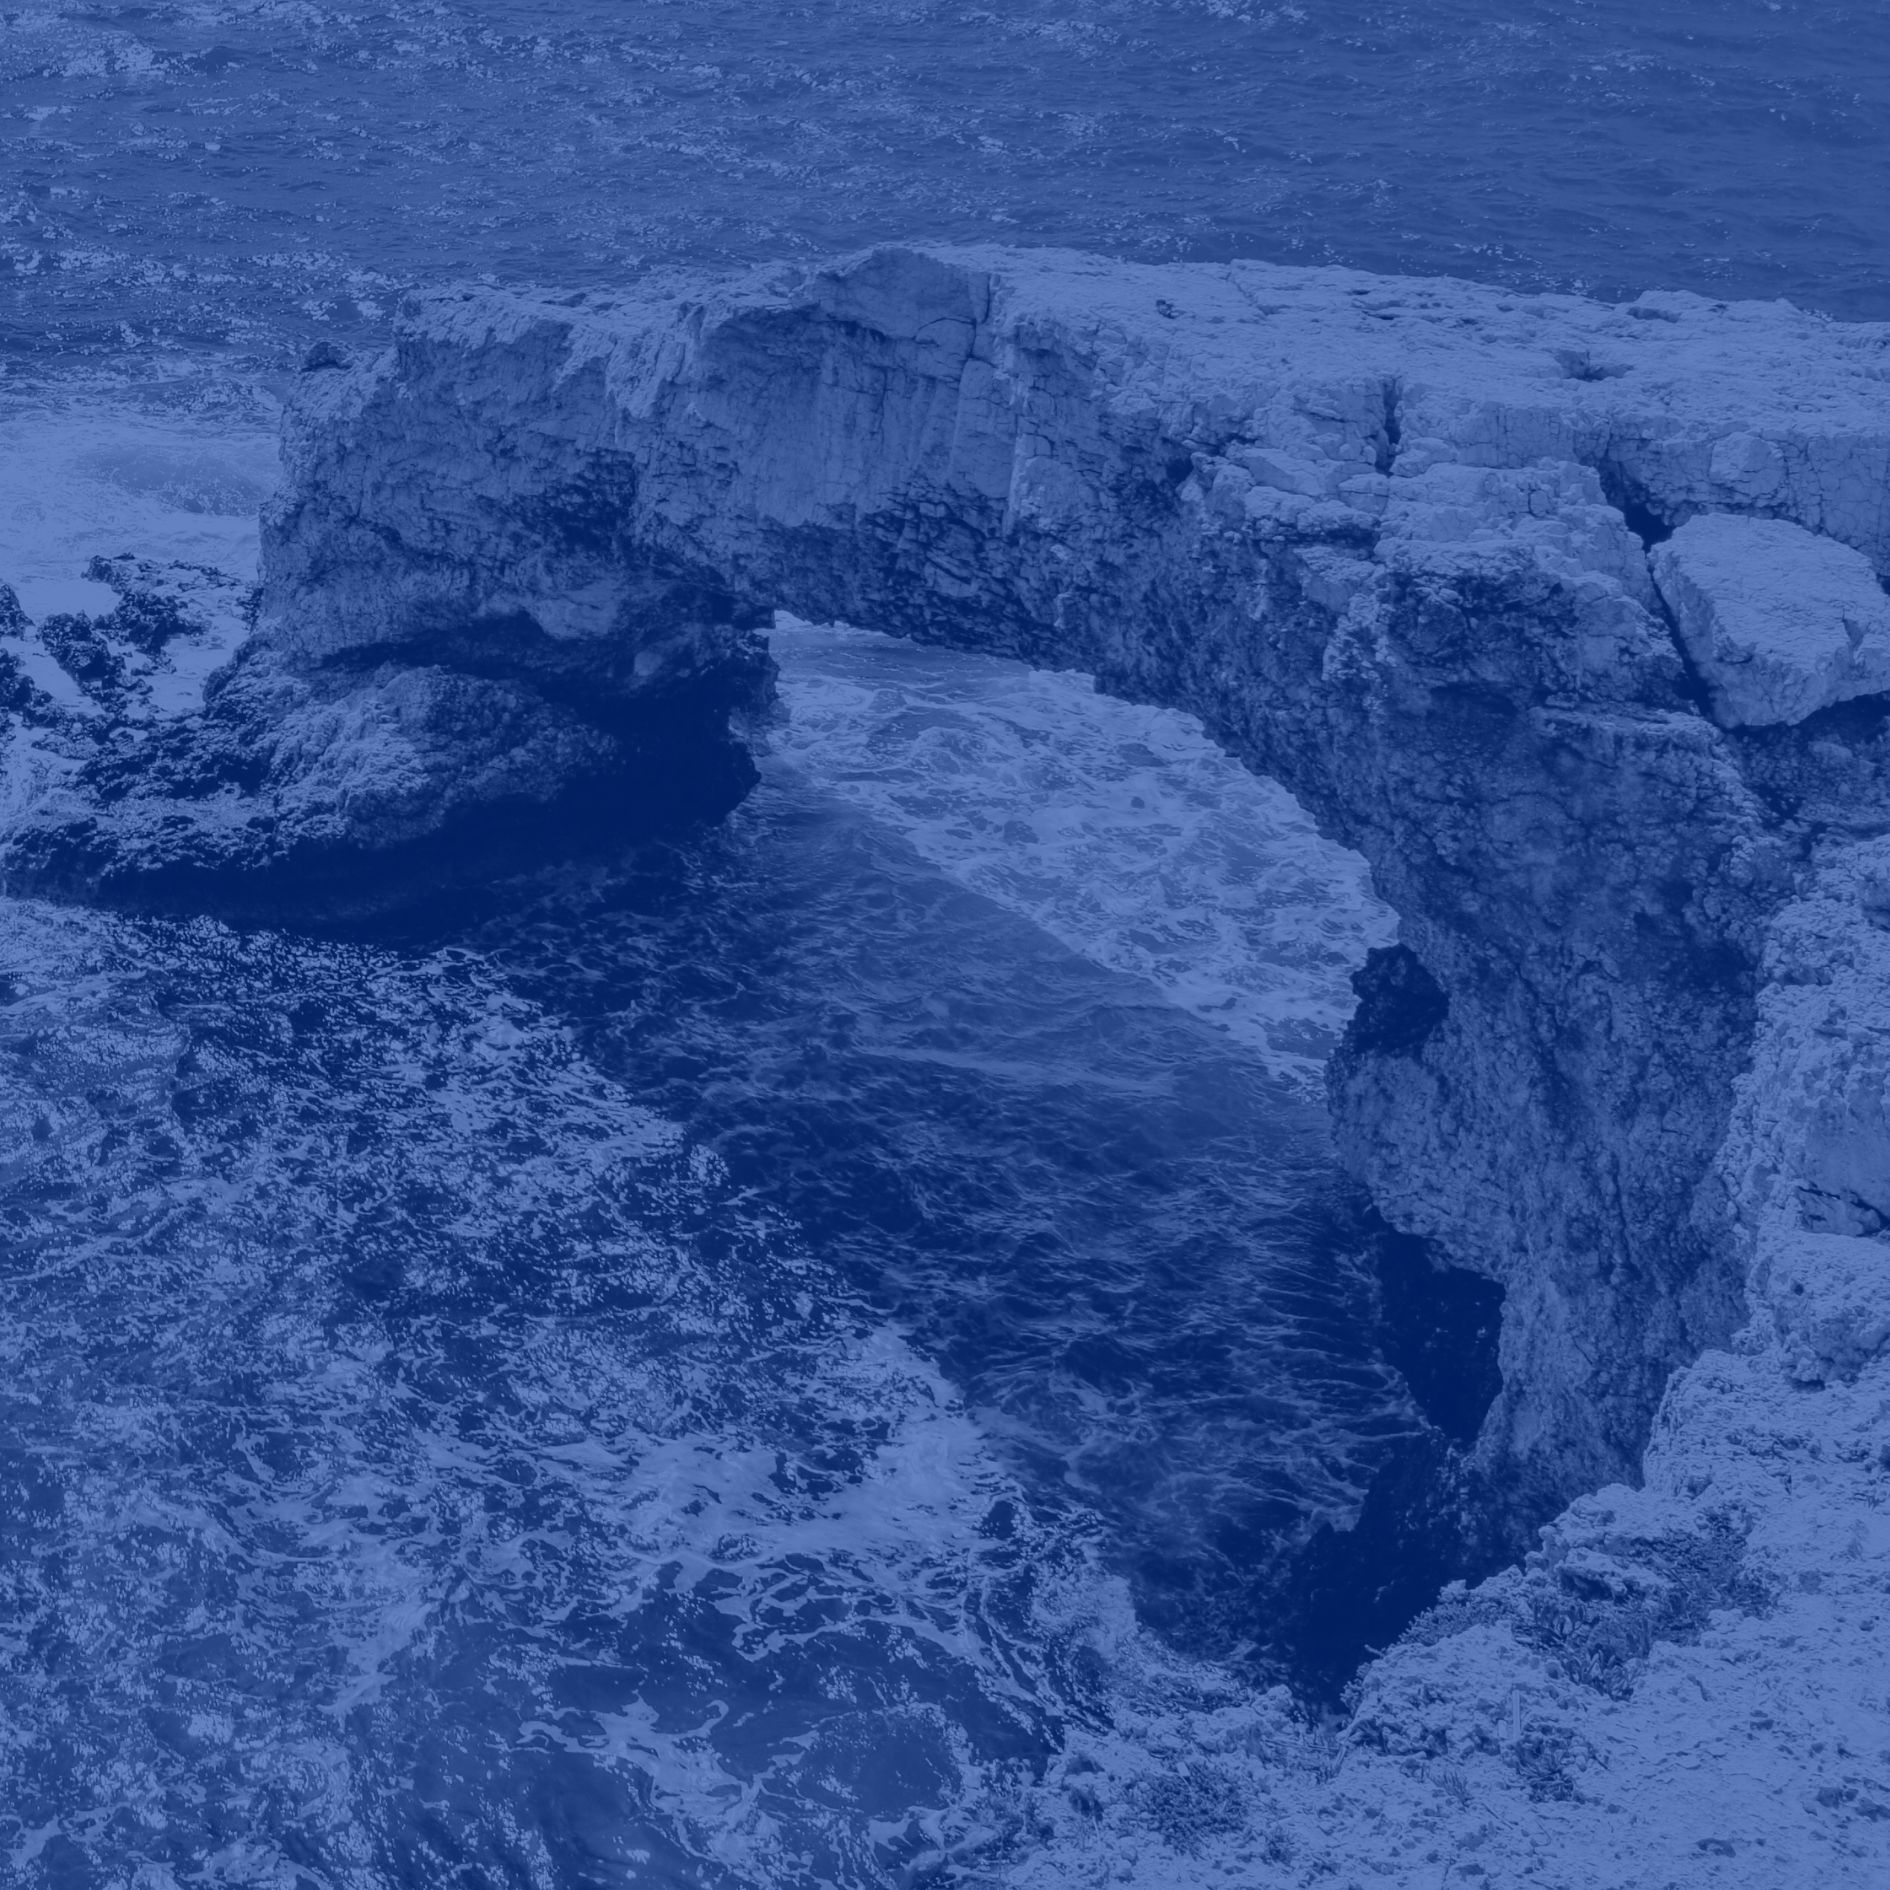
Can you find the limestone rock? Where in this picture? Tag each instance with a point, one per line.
(1386, 539)
(1807, 1157)
(260, 787)
(1830, 1295)
(1779, 622)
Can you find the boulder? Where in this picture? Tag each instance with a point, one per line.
(1779, 621)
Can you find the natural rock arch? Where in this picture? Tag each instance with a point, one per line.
(1388, 540)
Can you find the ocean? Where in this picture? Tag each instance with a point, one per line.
(724, 1365)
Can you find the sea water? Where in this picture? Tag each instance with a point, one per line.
(691, 1375)
(712, 1371)
(213, 170)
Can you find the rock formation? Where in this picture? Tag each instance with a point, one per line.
(1389, 540)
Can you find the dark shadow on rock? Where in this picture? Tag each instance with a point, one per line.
(1399, 1004)
(1439, 1325)
(1427, 1518)
(324, 796)
(1351, 1592)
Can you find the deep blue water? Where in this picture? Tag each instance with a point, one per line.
(672, 1382)
(226, 169)
(704, 1373)
(715, 1373)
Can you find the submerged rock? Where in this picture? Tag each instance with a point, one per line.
(18, 695)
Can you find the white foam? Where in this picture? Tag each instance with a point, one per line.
(102, 475)
(45, 597)
(98, 477)
(1120, 830)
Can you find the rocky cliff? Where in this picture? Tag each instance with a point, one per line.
(1567, 617)
(1388, 540)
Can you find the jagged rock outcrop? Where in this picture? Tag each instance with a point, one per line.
(1807, 1161)
(296, 793)
(1387, 539)
(1684, 1684)
(202, 770)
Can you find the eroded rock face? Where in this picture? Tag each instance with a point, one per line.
(330, 793)
(1807, 1161)
(388, 738)
(1387, 539)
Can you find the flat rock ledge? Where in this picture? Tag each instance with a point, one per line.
(1567, 617)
